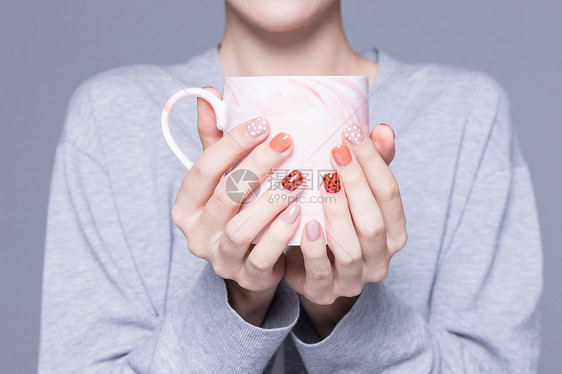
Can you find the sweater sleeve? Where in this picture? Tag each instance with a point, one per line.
(485, 303)
(94, 316)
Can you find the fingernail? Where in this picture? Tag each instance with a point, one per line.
(313, 230)
(257, 126)
(353, 133)
(341, 154)
(291, 213)
(281, 142)
(293, 180)
(332, 182)
(391, 129)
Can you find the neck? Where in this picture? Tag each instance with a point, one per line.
(319, 48)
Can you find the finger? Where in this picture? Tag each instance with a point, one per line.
(246, 225)
(343, 241)
(201, 180)
(366, 214)
(261, 261)
(206, 120)
(383, 137)
(382, 183)
(319, 283)
(244, 179)
(294, 268)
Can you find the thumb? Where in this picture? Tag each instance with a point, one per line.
(206, 120)
(383, 137)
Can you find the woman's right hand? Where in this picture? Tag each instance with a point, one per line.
(209, 217)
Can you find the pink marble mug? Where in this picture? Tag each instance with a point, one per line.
(312, 109)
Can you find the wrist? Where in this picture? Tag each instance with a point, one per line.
(252, 306)
(326, 317)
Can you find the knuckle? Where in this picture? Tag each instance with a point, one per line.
(377, 231)
(180, 217)
(383, 273)
(351, 259)
(372, 230)
(197, 248)
(231, 237)
(379, 272)
(223, 269)
(176, 213)
(234, 236)
(259, 263)
(390, 191)
(402, 239)
(320, 275)
(397, 243)
(220, 269)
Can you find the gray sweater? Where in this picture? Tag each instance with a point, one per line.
(122, 294)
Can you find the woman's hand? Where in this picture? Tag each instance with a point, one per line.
(208, 214)
(365, 227)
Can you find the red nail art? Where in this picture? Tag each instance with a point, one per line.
(292, 180)
(332, 182)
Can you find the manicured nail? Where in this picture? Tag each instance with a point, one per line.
(353, 133)
(313, 230)
(281, 142)
(293, 180)
(391, 129)
(291, 213)
(257, 126)
(341, 154)
(332, 182)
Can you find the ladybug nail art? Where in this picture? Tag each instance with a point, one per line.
(292, 180)
(332, 182)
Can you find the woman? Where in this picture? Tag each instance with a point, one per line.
(122, 293)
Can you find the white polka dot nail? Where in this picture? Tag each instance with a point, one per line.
(257, 126)
(353, 133)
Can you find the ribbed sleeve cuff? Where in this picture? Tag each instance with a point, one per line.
(364, 340)
(205, 319)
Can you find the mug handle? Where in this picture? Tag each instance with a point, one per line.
(216, 103)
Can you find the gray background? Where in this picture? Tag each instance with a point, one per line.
(48, 48)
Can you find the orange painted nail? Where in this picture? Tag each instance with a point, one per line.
(281, 142)
(341, 154)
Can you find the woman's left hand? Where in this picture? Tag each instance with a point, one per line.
(365, 227)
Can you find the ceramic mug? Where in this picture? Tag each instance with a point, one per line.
(312, 109)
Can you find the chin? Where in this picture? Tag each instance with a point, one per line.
(280, 15)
